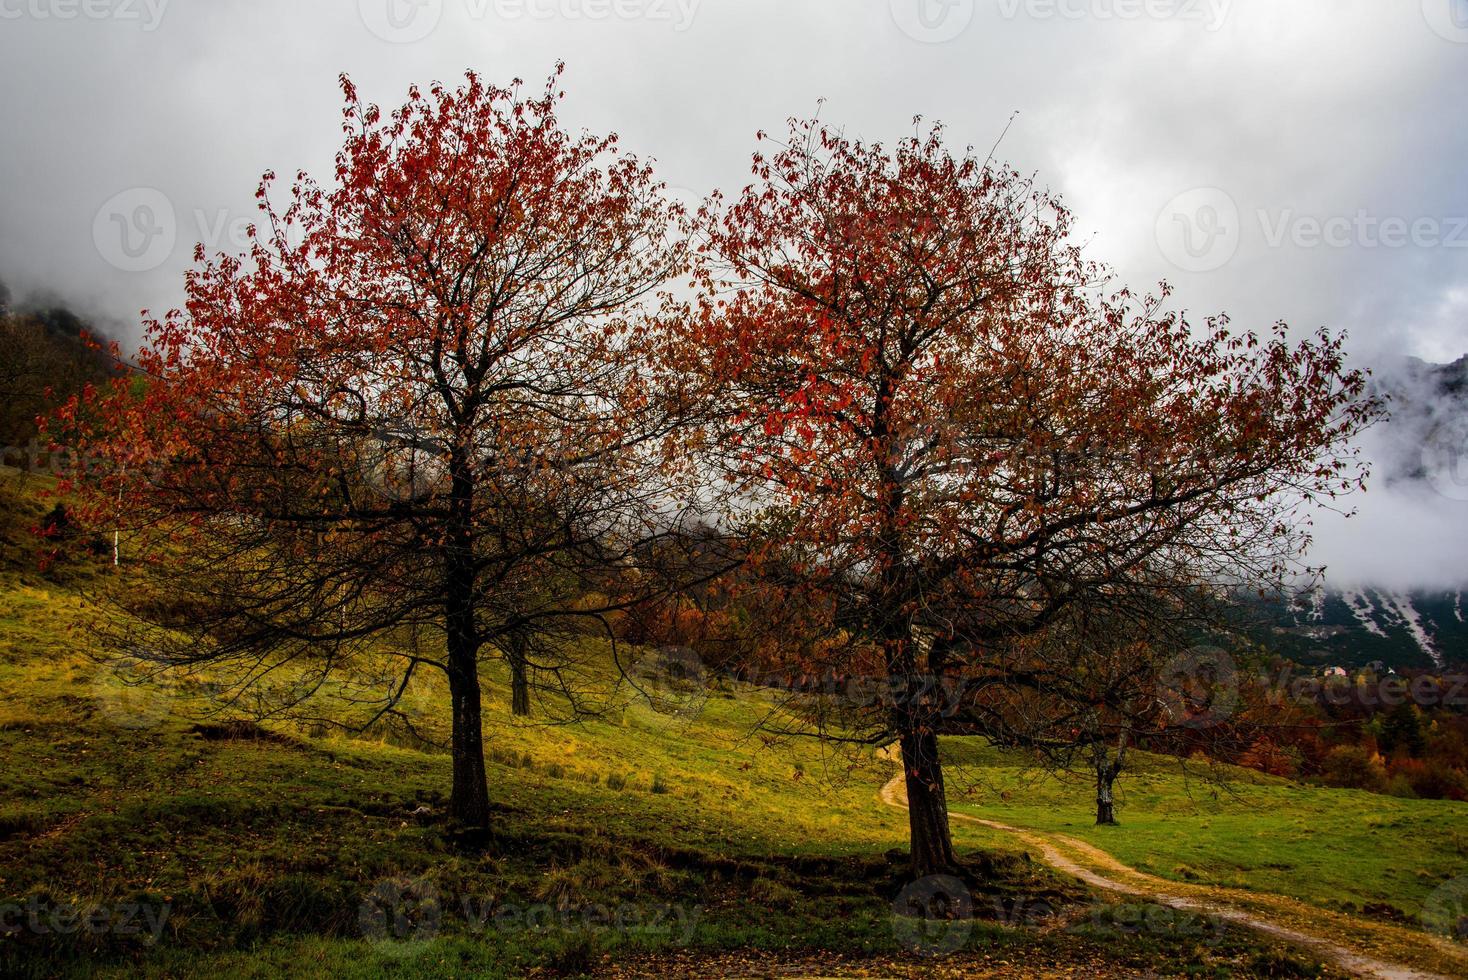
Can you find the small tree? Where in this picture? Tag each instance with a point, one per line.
(1112, 672)
(1109, 668)
(418, 389)
(1401, 731)
(960, 436)
(1355, 767)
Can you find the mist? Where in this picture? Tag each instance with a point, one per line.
(1190, 138)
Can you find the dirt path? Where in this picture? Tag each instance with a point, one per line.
(1273, 915)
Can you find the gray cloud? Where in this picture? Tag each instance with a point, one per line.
(1318, 125)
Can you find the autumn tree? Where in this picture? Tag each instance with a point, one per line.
(1265, 756)
(406, 427)
(963, 429)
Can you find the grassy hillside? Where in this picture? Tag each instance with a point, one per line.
(636, 843)
(1340, 849)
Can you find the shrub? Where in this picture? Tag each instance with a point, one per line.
(1267, 757)
(504, 757)
(1400, 786)
(575, 955)
(772, 893)
(1431, 779)
(1352, 767)
(1283, 963)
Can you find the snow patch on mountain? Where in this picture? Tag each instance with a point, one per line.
(1317, 604)
(1360, 607)
(1402, 605)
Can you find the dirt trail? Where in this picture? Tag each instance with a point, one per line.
(1273, 915)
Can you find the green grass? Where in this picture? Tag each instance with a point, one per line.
(266, 849)
(1340, 849)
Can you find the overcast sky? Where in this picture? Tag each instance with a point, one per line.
(1279, 159)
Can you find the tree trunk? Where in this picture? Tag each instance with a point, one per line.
(519, 676)
(1107, 769)
(913, 719)
(1105, 805)
(927, 805)
(469, 804)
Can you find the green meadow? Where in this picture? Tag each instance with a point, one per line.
(625, 842)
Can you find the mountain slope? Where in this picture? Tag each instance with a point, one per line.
(1424, 629)
(1420, 459)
